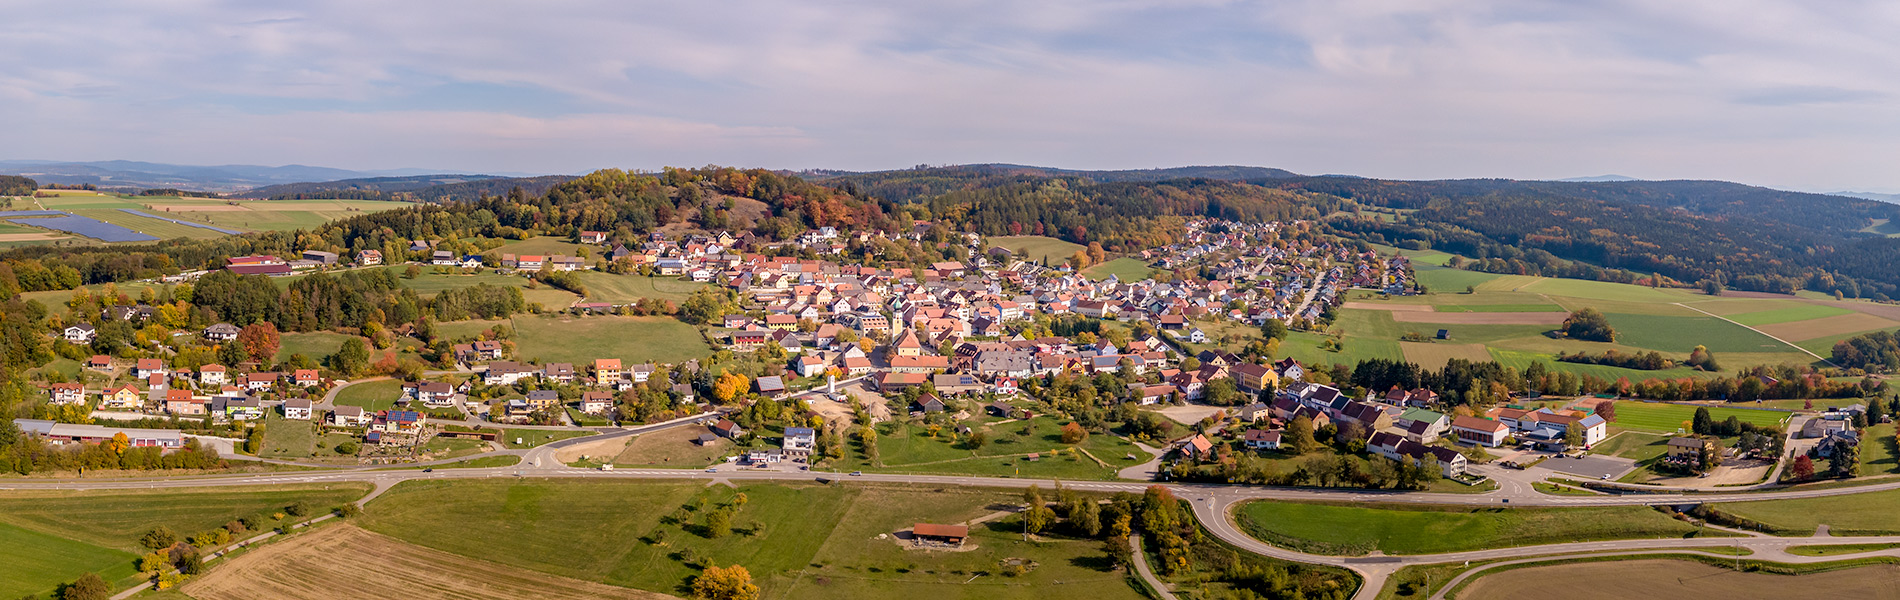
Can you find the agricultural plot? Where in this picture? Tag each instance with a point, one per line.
(1037, 249)
(1435, 355)
(371, 395)
(36, 562)
(1801, 312)
(343, 562)
(313, 345)
(1844, 325)
(1447, 279)
(1682, 334)
(1659, 417)
(1677, 580)
(1357, 529)
(1869, 513)
(178, 222)
(562, 338)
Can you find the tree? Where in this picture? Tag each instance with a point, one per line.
(260, 340)
(159, 538)
(1845, 461)
(412, 272)
(1703, 423)
(1273, 329)
(88, 587)
(1588, 324)
(1607, 410)
(729, 386)
(1073, 433)
(1802, 469)
(718, 523)
(1573, 435)
(1299, 436)
(1086, 516)
(977, 439)
(352, 359)
(727, 583)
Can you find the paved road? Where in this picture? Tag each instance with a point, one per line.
(1141, 566)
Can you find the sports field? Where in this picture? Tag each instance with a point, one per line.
(1356, 529)
(1659, 417)
(1037, 249)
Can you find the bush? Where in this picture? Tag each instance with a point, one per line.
(297, 509)
(350, 447)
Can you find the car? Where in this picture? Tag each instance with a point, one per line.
(856, 473)
(429, 470)
(710, 470)
(1605, 478)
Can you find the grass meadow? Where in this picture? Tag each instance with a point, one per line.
(1353, 530)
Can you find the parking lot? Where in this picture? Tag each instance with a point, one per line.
(1594, 466)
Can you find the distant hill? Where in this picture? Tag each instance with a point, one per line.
(1599, 179)
(217, 178)
(422, 188)
(1875, 196)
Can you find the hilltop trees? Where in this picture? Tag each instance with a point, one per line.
(1588, 324)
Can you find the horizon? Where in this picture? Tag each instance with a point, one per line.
(1780, 95)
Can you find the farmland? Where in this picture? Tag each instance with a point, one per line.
(428, 284)
(1358, 529)
(1657, 417)
(1869, 513)
(624, 289)
(57, 535)
(273, 215)
(352, 563)
(1037, 249)
(313, 345)
(371, 395)
(562, 338)
(621, 524)
(1677, 579)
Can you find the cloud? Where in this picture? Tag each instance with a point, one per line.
(1773, 92)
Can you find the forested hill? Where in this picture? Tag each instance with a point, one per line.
(15, 185)
(421, 188)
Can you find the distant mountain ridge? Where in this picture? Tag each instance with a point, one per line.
(1221, 172)
(421, 188)
(207, 178)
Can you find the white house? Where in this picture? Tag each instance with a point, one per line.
(81, 333)
(297, 408)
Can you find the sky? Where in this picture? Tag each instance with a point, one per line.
(1797, 95)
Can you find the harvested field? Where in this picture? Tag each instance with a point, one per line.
(594, 449)
(674, 448)
(1481, 318)
(1826, 326)
(198, 208)
(344, 563)
(1435, 355)
(1679, 580)
(1391, 307)
(1887, 311)
(30, 237)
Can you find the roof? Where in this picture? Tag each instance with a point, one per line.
(934, 530)
(1687, 442)
(1477, 424)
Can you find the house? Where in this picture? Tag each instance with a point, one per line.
(1258, 439)
(122, 397)
(369, 258)
(81, 333)
(770, 385)
(1254, 412)
(1689, 447)
(945, 535)
(443, 258)
(64, 433)
(1151, 394)
(305, 378)
(607, 371)
(907, 344)
(894, 382)
(808, 366)
(1553, 424)
(99, 362)
(398, 421)
(1835, 442)
(1254, 379)
(640, 372)
(596, 403)
(1422, 426)
(764, 456)
(593, 237)
(799, 441)
(1480, 431)
(181, 402)
(434, 394)
(540, 400)
(259, 382)
(958, 383)
(212, 375)
(67, 393)
(558, 372)
(297, 408)
(727, 429)
(243, 409)
(1197, 447)
(506, 373)
(928, 403)
(1197, 336)
(1396, 447)
(147, 367)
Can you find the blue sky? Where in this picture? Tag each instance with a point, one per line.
(1789, 94)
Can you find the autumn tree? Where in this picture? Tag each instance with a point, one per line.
(1802, 469)
(725, 583)
(1073, 433)
(259, 340)
(88, 587)
(1607, 410)
(1096, 254)
(729, 386)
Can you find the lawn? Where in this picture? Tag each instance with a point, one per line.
(1869, 513)
(673, 448)
(628, 541)
(563, 338)
(1434, 355)
(1305, 347)
(1658, 417)
(547, 246)
(1126, 269)
(1037, 249)
(1634, 445)
(535, 437)
(624, 289)
(314, 345)
(288, 438)
(1358, 529)
(910, 448)
(371, 395)
(1877, 452)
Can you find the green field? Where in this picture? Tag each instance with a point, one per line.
(1305, 347)
(538, 525)
(1127, 269)
(911, 448)
(624, 289)
(549, 245)
(1448, 308)
(580, 340)
(1352, 530)
(314, 345)
(50, 537)
(1444, 280)
(1657, 417)
(372, 395)
(1634, 445)
(535, 437)
(1869, 513)
(286, 438)
(1788, 315)
(1877, 450)
(430, 283)
(1682, 334)
(274, 215)
(1037, 249)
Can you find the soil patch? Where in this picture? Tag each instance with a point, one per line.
(1481, 318)
(345, 563)
(29, 237)
(596, 449)
(198, 208)
(1391, 307)
(1679, 580)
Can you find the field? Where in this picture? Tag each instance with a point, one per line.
(1435, 355)
(582, 339)
(48, 537)
(1127, 269)
(314, 345)
(833, 552)
(1634, 445)
(624, 289)
(1037, 249)
(1657, 417)
(907, 448)
(1677, 580)
(274, 215)
(672, 448)
(1353, 530)
(1877, 450)
(535, 437)
(286, 438)
(342, 562)
(1868, 513)
(548, 246)
(372, 395)
(429, 283)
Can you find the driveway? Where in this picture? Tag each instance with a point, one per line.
(1593, 466)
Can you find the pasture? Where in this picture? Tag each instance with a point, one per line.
(1359, 529)
(624, 289)
(548, 246)
(1037, 249)
(314, 345)
(566, 338)
(429, 283)
(37, 561)
(1658, 417)
(1127, 269)
(1868, 513)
